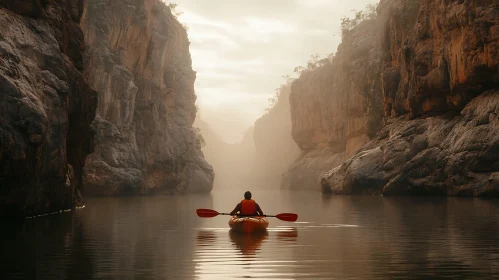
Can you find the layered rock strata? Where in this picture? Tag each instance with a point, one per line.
(138, 59)
(408, 106)
(440, 77)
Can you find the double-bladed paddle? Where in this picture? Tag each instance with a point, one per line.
(209, 213)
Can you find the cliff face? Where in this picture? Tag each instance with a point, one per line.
(138, 59)
(274, 148)
(46, 106)
(440, 76)
(439, 59)
(336, 108)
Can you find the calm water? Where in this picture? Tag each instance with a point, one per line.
(335, 238)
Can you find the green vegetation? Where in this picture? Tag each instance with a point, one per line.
(348, 24)
(313, 63)
(277, 92)
(173, 8)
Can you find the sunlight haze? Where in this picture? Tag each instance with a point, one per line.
(241, 49)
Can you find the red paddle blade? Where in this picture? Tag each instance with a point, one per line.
(288, 217)
(206, 213)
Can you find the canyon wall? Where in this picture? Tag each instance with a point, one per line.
(46, 107)
(440, 75)
(138, 59)
(336, 108)
(409, 105)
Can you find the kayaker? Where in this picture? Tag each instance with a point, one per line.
(247, 207)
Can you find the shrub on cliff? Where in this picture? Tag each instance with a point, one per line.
(348, 24)
(274, 100)
(173, 10)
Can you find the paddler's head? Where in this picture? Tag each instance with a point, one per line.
(247, 195)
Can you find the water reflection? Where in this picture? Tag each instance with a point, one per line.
(335, 238)
(287, 234)
(206, 238)
(248, 244)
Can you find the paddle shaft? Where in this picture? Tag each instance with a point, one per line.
(247, 215)
(209, 213)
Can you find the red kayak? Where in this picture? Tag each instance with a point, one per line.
(248, 224)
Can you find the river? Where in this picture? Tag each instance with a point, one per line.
(342, 237)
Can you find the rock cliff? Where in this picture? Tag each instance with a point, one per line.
(336, 108)
(440, 80)
(46, 106)
(407, 106)
(138, 59)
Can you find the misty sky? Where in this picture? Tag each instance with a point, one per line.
(241, 49)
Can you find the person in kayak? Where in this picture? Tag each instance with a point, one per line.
(247, 207)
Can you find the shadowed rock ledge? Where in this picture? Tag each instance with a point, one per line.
(138, 59)
(46, 107)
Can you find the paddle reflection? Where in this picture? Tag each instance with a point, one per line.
(248, 244)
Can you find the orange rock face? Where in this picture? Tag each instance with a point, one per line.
(438, 67)
(443, 57)
(336, 108)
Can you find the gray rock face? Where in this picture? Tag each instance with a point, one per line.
(138, 59)
(443, 155)
(46, 107)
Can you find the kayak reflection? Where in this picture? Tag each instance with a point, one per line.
(248, 244)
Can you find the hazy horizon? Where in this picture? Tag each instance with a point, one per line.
(240, 51)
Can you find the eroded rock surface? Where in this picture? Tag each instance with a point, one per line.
(440, 90)
(442, 155)
(138, 59)
(46, 107)
(408, 106)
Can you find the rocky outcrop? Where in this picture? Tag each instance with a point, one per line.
(274, 148)
(442, 155)
(440, 77)
(46, 107)
(138, 59)
(336, 108)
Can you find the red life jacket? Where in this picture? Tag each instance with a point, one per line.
(248, 207)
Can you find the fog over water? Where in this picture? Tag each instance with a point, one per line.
(241, 49)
